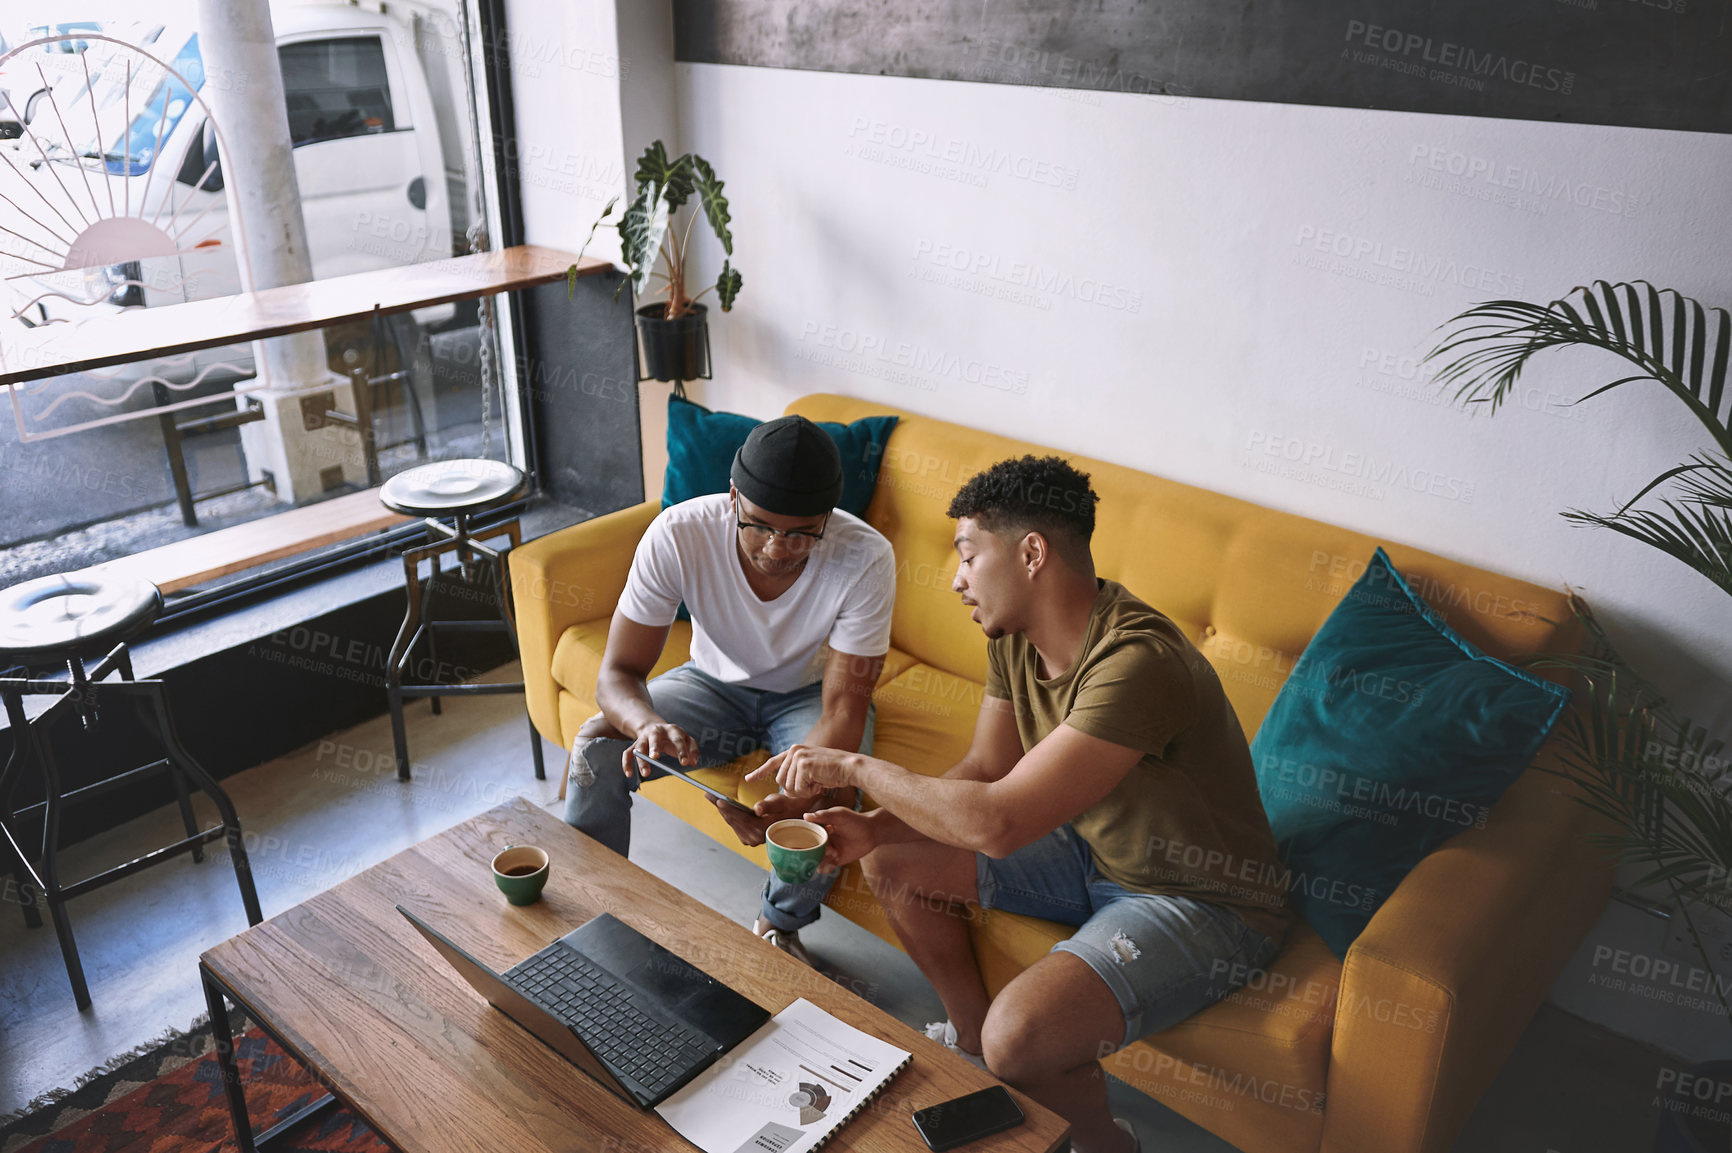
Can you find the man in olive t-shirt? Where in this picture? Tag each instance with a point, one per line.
(1108, 786)
(1186, 819)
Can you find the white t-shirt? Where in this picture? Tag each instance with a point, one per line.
(843, 596)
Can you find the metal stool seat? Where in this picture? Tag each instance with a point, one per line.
(454, 491)
(452, 487)
(54, 618)
(65, 621)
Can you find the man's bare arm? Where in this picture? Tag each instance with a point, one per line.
(1059, 778)
(622, 690)
(993, 752)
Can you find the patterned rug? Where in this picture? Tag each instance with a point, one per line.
(171, 1100)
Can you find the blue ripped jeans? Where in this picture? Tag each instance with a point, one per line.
(1164, 957)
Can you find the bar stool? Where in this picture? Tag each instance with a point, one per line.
(65, 621)
(454, 490)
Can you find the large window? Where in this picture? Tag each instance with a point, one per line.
(120, 200)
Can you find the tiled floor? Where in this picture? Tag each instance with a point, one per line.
(326, 812)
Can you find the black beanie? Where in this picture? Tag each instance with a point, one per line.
(790, 467)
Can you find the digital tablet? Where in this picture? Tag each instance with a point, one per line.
(675, 770)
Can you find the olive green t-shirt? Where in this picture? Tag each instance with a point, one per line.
(1187, 820)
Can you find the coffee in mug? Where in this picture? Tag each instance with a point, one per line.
(795, 837)
(796, 848)
(521, 872)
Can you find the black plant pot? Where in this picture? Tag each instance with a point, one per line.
(674, 349)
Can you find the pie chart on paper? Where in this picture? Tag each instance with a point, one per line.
(811, 1101)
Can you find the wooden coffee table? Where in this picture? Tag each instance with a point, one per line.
(348, 988)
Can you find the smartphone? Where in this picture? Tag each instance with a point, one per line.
(952, 1123)
(691, 780)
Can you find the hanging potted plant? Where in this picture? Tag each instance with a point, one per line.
(673, 330)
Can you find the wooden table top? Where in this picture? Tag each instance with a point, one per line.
(368, 1005)
(139, 333)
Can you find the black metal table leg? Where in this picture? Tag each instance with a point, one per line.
(223, 1038)
(225, 1051)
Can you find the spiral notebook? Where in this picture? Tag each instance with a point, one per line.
(785, 1089)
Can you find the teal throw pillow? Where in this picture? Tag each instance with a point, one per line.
(1391, 735)
(701, 447)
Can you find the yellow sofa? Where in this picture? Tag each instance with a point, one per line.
(1385, 1053)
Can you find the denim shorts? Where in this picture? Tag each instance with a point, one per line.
(1164, 957)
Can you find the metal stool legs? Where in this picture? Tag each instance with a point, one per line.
(418, 623)
(31, 746)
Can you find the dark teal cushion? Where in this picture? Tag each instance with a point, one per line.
(701, 447)
(1391, 735)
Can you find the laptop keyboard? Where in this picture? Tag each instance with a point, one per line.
(652, 1053)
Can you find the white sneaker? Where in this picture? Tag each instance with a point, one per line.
(787, 940)
(945, 1034)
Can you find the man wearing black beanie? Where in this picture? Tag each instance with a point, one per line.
(790, 600)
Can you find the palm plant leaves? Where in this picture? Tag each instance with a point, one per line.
(1673, 341)
(1689, 533)
(1696, 528)
(1657, 776)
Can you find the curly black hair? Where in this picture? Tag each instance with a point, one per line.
(1045, 494)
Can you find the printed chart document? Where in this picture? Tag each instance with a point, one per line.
(786, 1088)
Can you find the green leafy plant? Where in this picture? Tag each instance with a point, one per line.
(1661, 780)
(1671, 340)
(650, 231)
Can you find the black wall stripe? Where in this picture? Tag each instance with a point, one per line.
(1638, 63)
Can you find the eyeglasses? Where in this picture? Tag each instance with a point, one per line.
(763, 533)
(797, 537)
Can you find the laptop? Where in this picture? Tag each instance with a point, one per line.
(635, 1017)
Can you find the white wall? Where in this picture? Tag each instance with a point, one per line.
(1149, 280)
(1220, 337)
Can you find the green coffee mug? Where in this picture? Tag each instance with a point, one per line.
(796, 847)
(521, 873)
